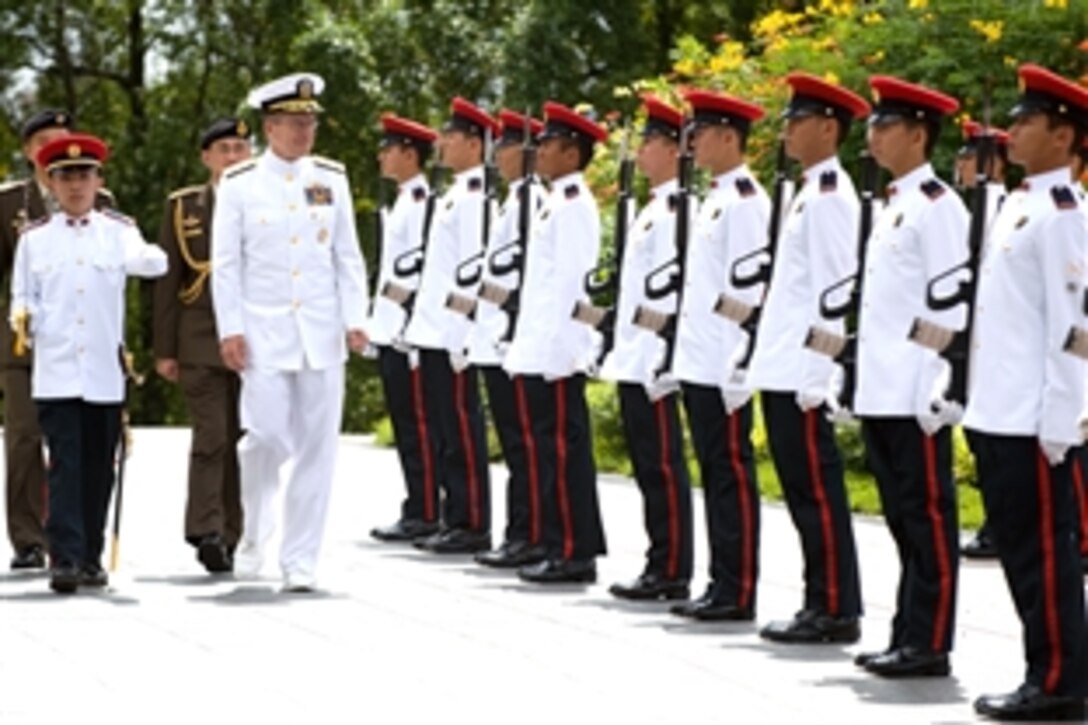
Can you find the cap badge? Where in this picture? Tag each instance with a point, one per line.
(305, 89)
(74, 151)
(242, 129)
(61, 119)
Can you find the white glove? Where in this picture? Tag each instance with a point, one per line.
(400, 344)
(370, 352)
(809, 399)
(1054, 451)
(735, 399)
(458, 361)
(930, 423)
(949, 411)
(661, 386)
(836, 413)
(413, 357)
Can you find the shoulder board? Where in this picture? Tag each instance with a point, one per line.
(186, 191)
(329, 164)
(1063, 197)
(571, 191)
(419, 193)
(34, 223)
(932, 189)
(239, 169)
(11, 186)
(117, 216)
(829, 181)
(745, 187)
(107, 193)
(475, 183)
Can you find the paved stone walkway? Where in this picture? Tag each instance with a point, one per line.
(399, 636)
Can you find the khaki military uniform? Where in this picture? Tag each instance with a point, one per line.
(20, 203)
(185, 331)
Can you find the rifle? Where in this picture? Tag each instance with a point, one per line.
(665, 325)
(469, 271)
(410, 263)
(602, 282)
(379, 231)
(844, 350)
(509, 300)
(954, 346)
(749, 316)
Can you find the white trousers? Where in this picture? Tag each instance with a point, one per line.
(289, 415)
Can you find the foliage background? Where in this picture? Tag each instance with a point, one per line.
(148, 75)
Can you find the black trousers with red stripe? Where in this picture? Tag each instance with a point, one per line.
(806, 458)
(1080, 491)
(462, 441)
(656, 447)
(509, 412)
(416, 442)
(563, 444)
(1033, 521)
(918, 496)
(723, 447)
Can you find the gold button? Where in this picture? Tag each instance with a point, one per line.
(294, 240)
(294, 273)
(292, 207)
(289, 177)
(296, 304)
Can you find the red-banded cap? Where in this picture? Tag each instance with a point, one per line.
(397, 130)
(661, 118)
(973, 131)
(513, 126)
(811, 95)
(1043, 91)
(73, 150)
(561, 121)
(469, 118)
(721, 109)
(898, 100)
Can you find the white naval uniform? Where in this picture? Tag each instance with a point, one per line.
(817, 248)
(484, 345)
(454, 237)
(651, 243)
(289, 277)
(402, 230)
(69, 276)
(732, 222)
(921, 233)
(563, 249)
(1030, 294)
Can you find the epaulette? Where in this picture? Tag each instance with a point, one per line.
(745, 187)
(240, 168)
(419, 193)
(475, 183)
(1063, 197)
(118, 216)
(186, 191)
(829, 181)
(329, 164)
(571, 191)
(932, 189)
(11, 186)
(107, 193)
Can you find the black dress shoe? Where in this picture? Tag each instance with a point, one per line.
(649, 586)
(910, 662)
(64, 578)
(685, 609)
(30, 557)
(712, 611)
(560, 571)
(980, 547)
(93, 575)
(511, 555)
(214, 554)
(810, 627)
(456, 541)
(862, 659)
(1029, 702)
(405, 530)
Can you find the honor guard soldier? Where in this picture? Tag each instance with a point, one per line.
(523, 538)
(289, 291)
(22, 202)
(997, 161)
(1026, 393)
(901, 388)
(187, 352)
(648, 400)
(68, 301)
(732, 223)
(551, 352)
(440, 335)
(816, 249)
(404, 149)
(1080, 459)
